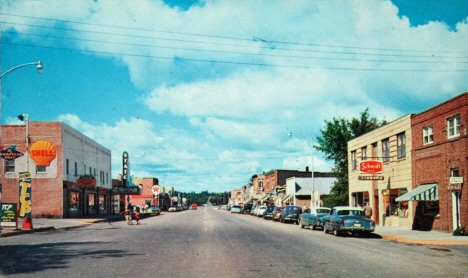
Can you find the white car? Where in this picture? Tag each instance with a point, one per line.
(235, 209)
(260, 210)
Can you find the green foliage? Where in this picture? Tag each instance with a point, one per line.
(460, 231)
(203, 197)
(333, 142)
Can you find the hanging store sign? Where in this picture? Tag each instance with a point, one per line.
(155, 189)
(86, 181)
(455, 180)
(370, 166)
(10, 154)
(369, 178)
(125, 168)
(42, 152)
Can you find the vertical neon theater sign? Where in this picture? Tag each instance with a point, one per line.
(125, 168)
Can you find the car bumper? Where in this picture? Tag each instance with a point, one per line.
(356, 229)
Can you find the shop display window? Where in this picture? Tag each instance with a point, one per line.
(430, 208)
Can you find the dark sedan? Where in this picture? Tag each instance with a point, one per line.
(290, 214)
(348, 220)
(268, 213)
(276, 213)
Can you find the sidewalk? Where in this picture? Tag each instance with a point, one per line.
(405, 235)
(46, 224)
(398, 234)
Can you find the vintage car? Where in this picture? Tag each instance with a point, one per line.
(276, 213)
(348, 220)
(235, 209)
(290, 214)
(268, 213)
(260, 210)
(155, 210)
(313, 217)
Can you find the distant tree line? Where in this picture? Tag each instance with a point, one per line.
(201, 198)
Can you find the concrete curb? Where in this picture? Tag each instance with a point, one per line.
(425, 241)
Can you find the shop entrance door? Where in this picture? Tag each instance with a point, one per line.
(456, 209)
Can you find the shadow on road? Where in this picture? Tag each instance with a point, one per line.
(30, 258)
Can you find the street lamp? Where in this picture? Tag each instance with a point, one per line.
(40, 69)
(312, 197)
(38, 65)
(25, 118)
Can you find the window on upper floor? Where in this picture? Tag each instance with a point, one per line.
(374, 150)
(386, 150)
(353, 160)
(401, 145)
(76, 169)
(67, 166)
(364, 153)
(9, 166)
(453, 126)
(428, 135)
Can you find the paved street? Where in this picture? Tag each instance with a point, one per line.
(212, 243)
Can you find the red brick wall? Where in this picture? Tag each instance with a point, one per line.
(46, 193)
(431, 163)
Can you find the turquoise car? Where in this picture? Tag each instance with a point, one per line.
(313, 217)
(348, 220)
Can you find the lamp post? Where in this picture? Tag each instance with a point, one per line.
(40, 69)
(312, 197)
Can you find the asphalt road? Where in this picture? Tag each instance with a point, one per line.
(212, 243)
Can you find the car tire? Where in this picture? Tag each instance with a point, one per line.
(312, 227)
(336, 232)
(300, 224)
(325, 229)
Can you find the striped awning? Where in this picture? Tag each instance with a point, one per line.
(286, 198)
(425, 192)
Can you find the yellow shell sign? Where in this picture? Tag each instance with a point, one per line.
(42, 152)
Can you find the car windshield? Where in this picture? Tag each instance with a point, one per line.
(323, 211)
(296, 209)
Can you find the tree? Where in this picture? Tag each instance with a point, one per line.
(333, 142)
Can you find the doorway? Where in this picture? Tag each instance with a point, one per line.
(456, 209)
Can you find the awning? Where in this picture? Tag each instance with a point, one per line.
(249, 201)
(265, 198)
(425, 192)
(286, 198)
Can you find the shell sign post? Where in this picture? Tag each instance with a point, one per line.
(42, 152)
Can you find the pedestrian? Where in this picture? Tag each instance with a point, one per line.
(368, 211)
(128, 216)
(136, 215)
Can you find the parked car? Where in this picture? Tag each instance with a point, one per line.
(259, 210)
(153, 209)
(268, 213)
(235, 209)
(348, 220)
(172, 209)
(246, 208)
(276, 213)
(252, 210)
(313, 217)
(290, 214)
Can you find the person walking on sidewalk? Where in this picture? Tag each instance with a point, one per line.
(136, 215)
(368, 211)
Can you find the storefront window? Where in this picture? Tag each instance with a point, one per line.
(74, 204)
(90, 204)
(392, 207)
(430, 208)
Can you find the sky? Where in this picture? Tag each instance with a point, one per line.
(202, 94)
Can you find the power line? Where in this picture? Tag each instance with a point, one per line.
(230, 37)
(241, 63)
(243, 53)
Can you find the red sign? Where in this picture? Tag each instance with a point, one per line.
(86, 181)
(370, 166)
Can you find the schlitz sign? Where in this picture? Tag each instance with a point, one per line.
(10, 154)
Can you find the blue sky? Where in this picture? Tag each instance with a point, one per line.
(202, 94)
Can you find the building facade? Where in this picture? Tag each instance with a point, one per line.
(440, 166)
(390, 147)
(77, 182)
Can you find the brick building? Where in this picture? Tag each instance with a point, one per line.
(76, 183)
(440, 166)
